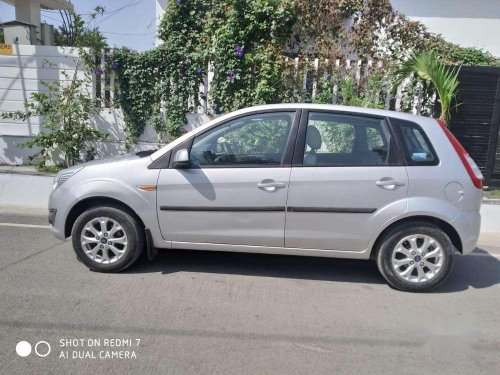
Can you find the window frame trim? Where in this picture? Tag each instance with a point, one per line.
(298, 157)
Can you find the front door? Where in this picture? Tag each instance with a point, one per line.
(235, 190)
(346, 182)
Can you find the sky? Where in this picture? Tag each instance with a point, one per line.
(129, 23)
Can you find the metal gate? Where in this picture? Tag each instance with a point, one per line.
(476, 119)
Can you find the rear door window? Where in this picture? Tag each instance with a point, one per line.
(416, 146)
(334, 139)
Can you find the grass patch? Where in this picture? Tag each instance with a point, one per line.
(50, 168)
(492, 193)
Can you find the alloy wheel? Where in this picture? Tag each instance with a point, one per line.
(417, 258)
(103, 240)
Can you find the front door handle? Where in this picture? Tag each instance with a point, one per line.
(389, 183)
(270, 185)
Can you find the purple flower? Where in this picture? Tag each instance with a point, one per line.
(184, 71)
(239, 50)
(97, 71)
(231, 76)
(114, 66)
(178, 1)
(199, 70)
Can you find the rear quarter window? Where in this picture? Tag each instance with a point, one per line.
(415, 144)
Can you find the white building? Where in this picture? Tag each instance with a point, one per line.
(161, 5)
(27, 28)
(468, 23)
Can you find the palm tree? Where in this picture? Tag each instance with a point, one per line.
(429, 68)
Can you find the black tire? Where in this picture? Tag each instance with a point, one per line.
(388, 246)
(132, 228)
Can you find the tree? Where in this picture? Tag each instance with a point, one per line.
(75, 32)
(66, 107)
(429, 68)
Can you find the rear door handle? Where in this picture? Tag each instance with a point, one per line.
(270, 185)
(389, 184)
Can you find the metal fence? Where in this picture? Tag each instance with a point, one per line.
(476, 119)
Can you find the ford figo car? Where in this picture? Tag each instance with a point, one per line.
(295, 179)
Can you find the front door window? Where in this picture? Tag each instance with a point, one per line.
(255, 140)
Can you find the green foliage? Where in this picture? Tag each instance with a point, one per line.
(245, 42)
(75, 32)
(429, 68)
(50, 168)
(454, 54)
(65, 109)
(140, 81)
(365, 94)
(349, 94)
(241, 38)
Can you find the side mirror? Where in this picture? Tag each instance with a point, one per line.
(181, 159)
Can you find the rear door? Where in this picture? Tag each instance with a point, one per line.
(346, 181)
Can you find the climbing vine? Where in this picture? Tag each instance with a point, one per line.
(139, 76)
(245, 43)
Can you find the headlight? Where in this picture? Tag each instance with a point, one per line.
(63, 176)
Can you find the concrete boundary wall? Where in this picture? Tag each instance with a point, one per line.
(25, 191)
(22, 73)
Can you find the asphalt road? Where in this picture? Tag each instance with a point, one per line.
(223, 313)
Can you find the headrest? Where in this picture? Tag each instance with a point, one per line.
(313, 138)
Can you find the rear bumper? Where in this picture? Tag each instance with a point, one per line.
(468, 226)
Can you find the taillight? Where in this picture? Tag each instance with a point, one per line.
(470, 165)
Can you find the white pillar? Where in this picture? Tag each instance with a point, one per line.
(161, 5)
(28, 11)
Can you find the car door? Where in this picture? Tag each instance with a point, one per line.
(235, 190)
(346, 182)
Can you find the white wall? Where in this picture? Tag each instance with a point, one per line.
(468, 23)
(22, 74)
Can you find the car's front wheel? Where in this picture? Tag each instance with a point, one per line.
(107, 239)
(415, 257)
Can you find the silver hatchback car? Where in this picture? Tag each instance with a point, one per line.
(297, 179)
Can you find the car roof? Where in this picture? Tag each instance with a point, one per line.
(289, 106)
(330, 107)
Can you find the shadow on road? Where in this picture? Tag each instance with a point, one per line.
(473, 271)
(470, 271)
(280, 266)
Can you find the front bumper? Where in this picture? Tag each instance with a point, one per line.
(52, 216)
(58, 232)
(58, 202)
(468, 226)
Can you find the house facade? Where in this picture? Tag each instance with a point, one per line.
(27, 28)
(468, 23)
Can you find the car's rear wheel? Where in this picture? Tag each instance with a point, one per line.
(415, 257)
(107, 239)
